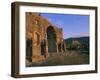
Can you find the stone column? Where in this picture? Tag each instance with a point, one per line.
(36, 51)
(57, 47)
(62, 47)
(47, 54)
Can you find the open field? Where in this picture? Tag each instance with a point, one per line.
(68, 58)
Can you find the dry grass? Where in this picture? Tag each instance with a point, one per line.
(68, 58)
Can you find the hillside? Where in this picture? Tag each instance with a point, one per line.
(78, 44)
(82, 40)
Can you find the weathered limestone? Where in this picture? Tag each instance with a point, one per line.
(42, 38)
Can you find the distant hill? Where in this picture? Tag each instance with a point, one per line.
(82, 40)
(78, 44)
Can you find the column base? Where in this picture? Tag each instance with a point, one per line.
(38, 58)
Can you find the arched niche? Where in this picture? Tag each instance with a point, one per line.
(51, 38)
(29, 49)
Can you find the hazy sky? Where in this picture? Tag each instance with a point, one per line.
(73, 25)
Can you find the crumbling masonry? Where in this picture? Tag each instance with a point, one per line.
(42, 38)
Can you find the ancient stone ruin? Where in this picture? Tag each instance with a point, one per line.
(42, 38)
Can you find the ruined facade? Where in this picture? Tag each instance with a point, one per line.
(42, 38)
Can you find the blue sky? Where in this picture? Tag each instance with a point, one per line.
(73, 25)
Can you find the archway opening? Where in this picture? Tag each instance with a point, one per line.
(59, 47)
(63, 46)
(43, 48)
(29, 49)
(51, 37)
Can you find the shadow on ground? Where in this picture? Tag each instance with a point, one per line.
(68, 58)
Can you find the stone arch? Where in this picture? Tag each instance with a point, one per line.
(51, 38)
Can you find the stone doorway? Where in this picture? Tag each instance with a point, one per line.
(51, 37)
(43, 48)
(59, 47)
(29, 49)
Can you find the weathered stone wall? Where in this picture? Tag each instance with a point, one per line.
(37, 30)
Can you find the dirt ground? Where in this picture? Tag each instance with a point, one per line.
(67, 58)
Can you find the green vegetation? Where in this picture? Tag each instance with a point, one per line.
(78, 44)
